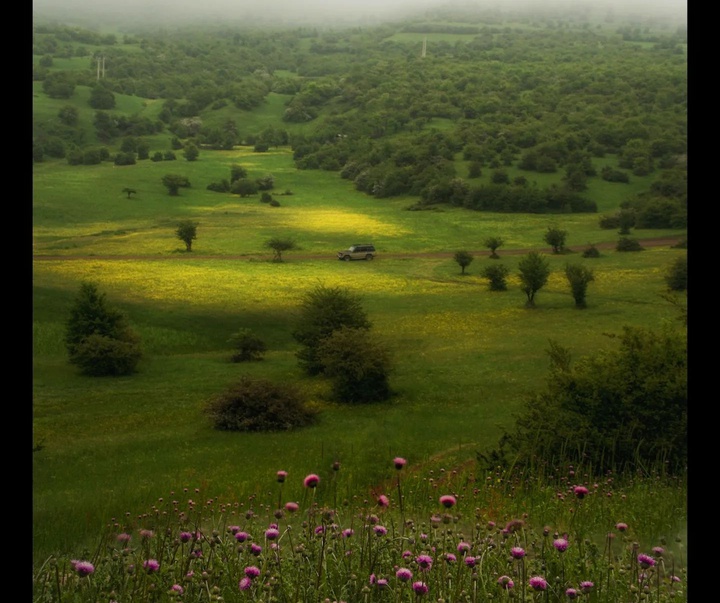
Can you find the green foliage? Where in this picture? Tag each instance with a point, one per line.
(280, 245)
(591, 252)
(534, 272)
(628, 244)
(493, 244)
(497, 276)
(186, 231)
(129, 191)
(101, 356)
(244, 187)
(677, 274)
(463, 259)
(259, 405)
(237, 172)
(98, 337)
(614, 410)
(579, 277)
(555, 237)
(324, 310)
(174, 182)
(357, 364)
(247, 345)
(191, 152)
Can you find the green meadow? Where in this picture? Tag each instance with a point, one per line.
(464, 357)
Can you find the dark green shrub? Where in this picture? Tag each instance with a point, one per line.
(579, 277)
(357, 365)
(274, 203)
(322, 311)
(609, 222)
(265, 197)
(628, 244)
(219, 187)
(259, 405)
(613, 410)
(497, 275)
(591, 252)
(98, 337)
(247, 346)
(677, 274)
(100, 356)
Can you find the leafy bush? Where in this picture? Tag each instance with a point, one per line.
(219, 187)
(591, 252)
(357, 364)
(259, 405)
(98, 338)
(677, 274)
(247, 345)
(628, 244)
(322, 311)
(614, 410)
(99, 356)
(609, 222)
(497, 275)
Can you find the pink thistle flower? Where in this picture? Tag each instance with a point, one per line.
(506, 582)
(645, 561)
(242, 536)
(373, 579)
(291, 507)
(514, 525)
(621, 527)
(406, 554)
(251, 571)
(674, 578)
(450, 558)
(586, 586)
(399, 462)
(311, 481)
(463, 547)
(185, 536)
(347, 532)
(382, 583)
(424, 562)
(517, 552)
(538, 583)
(151, 565)
(320, 529)
(233, 529)
(176, 588)
(383, 501)
(146, 533)
(420, 588)
(470, 561)
(561, 545)
(255, 549)
(281, 476)
(245, 584)
(123, 538)
(380, 530)
(403, 574)
(448, 501)
(580, 491)
(272, 533)
(83, 568)
(571, 593)
(658, 550)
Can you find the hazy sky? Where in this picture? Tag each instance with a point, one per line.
(310, 10)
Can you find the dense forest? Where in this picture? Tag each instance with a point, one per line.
(392, 106)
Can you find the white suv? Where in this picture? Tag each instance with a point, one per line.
(357, 252)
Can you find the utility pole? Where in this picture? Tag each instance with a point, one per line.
(424, 48)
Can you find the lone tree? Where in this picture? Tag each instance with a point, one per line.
(677, 274)
(579, 276)
(357, 364)
(322, 311)
(278, 246)
(555, 237)
(129, 191)
(493, 244)
(174, 182)
(186, 231)
(534, 272)
(464, 259)
(497, 275)
(191, 152)
(99, 338)
(243, 187)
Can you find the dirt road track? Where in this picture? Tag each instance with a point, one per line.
(289, 256)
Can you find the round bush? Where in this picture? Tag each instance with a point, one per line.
(259, 405)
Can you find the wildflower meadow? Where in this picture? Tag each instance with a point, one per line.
(424, 535)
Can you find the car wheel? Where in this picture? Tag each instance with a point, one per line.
(369, 256)
(347, 258)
